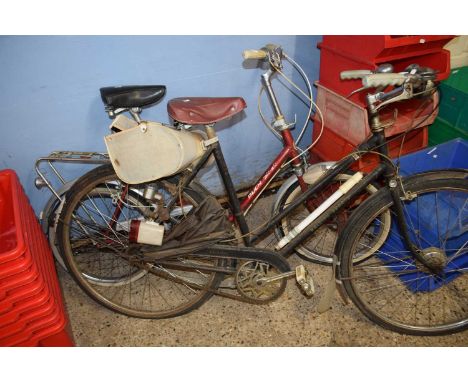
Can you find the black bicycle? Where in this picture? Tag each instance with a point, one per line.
(401, 258)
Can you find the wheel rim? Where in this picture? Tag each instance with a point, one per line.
(134, 288)
(397, 290)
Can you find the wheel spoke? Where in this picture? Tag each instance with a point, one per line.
(391, 287)
(97, 246)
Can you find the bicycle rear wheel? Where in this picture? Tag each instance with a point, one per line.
(95, 245)
(393, 289)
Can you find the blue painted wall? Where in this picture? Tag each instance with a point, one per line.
(49, 98)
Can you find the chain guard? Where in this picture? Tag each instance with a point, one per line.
(248, 253)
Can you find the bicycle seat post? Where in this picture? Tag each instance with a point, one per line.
(135, 113)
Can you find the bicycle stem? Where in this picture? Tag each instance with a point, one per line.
(266, 81)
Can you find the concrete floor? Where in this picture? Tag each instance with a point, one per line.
(291, 320)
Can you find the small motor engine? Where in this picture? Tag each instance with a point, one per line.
(146, 232)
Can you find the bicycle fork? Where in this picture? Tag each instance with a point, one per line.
(418, 253)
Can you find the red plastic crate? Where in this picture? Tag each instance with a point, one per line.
(19, 294)
(340, 53)
(17, 281)
(11, 243)
(35, 329)
(62, 338)
(333, 147)
(350, 120)
(381, 48)
(25, 313)
(31, 306)
(13, 267)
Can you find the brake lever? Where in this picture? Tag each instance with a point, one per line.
(356, 91)
(382, 97)
(275, 54)
(407, 93)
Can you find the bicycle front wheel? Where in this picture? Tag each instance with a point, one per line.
(393, 289)
(94, 242)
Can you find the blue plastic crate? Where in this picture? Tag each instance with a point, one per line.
(451, 154)
(433, 234)
(449, 227)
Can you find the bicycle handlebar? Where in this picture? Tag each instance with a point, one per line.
(384, 79)
(354, 74)
(414, 78)
(253, 54)
(372, 79)
(271, 51)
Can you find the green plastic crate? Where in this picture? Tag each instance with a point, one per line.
(452, 120)
(458, 79)
(441, 131)
(454, 107)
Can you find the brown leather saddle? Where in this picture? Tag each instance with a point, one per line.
(204, 110)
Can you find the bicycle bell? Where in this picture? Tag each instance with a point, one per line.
(384, 68)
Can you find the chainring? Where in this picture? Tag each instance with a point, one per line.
(255, 282)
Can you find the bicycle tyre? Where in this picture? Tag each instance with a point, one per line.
(76, 199)
(398, 295)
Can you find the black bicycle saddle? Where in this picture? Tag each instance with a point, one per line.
(132, 96)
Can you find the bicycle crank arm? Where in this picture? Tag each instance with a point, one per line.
(303, 278)
(271, 279)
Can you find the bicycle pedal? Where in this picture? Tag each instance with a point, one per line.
(305, 281)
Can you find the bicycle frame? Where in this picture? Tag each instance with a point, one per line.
(289, 151)
(376, 142)
(236, 206)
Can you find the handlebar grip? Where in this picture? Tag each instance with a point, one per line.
(354, 74)
(252, 54)
(383, 79)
